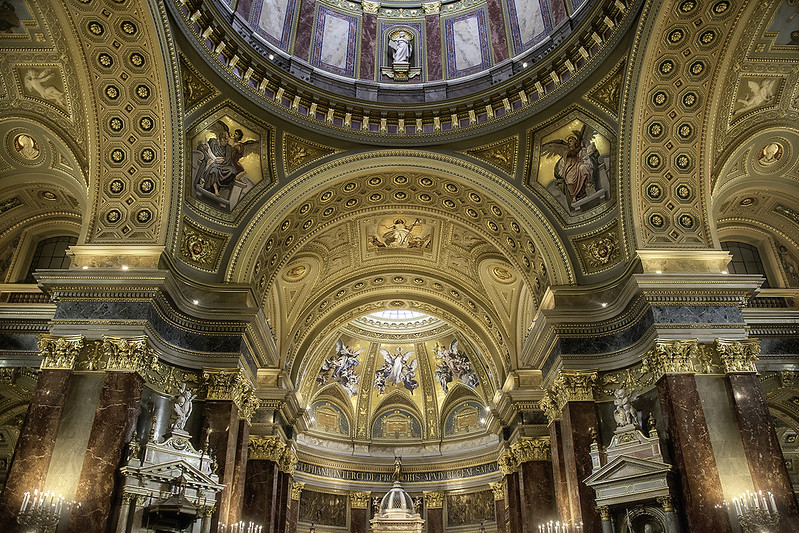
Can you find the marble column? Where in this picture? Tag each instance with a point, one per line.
(577, 418)
(514, 503)
(434, 511)
(282, 502)
(761, 446)
(219, 431)
(260, 492)
(433, 40)
(294, 506)
(499, 506)
(538, 496)
(692, 452)
(35, 444)
(114, 422)
(359, 511)
(559, 483)
(239, 474)
(604, 515)
(672, 524)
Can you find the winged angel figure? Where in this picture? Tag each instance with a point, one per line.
(761, 93)
(340, 367)
(396, 369)
(217, 161)
(454, 364)
(577, 169)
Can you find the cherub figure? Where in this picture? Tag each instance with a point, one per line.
(34, 81)
(625, 414)
(183, 408)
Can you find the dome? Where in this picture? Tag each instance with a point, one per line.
(397, 503)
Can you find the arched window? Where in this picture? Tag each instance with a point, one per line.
(50, 253)
(745, 259)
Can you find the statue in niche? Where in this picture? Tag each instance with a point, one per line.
(397, 469)
(625, 414)
(400, 42)
(183, 408)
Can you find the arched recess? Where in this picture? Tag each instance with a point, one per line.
(392, 402)
(458, 398)
(251, 259)
(334, 394)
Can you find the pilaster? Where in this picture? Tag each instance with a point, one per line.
(434, 509)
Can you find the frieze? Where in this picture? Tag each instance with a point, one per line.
(386, 477)
(60, 352)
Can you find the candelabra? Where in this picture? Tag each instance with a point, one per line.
(42, 512)
(241, 527)
(560, 527)
(757, 513)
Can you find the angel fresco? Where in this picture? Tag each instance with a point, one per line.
(759, 93)
(41, 83)
(453, 364)
(219, 175)
(580, 169)
(396, 369)
(340, 367)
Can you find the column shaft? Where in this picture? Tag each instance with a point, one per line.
(294, 515)
(114, 421)
(359, 521)
(368, 46)
(535, 481)
(513, 494)
(220, 431)
(761, 446)
(499, 512)
(433, 34)
(692, 453)
(435, 520)
(559, 483)
(35, 444)
(239, 474)
(260, 493)
(576, 420)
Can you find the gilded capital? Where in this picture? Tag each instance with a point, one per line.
(434, 499)
(573, 387)
(549, 406)
(531, 449)
(604, 513)
(231, 385)
(370, 7)
(269, 448)
(288, 461)
(507, 462)
(296, 489)
(360, 499)
(432, 8)
(670, 357)
(129, 354)
(498, 488)
(738, 356)
(666, 503)
(60, 352)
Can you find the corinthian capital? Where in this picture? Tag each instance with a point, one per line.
(231, 385)
(360, 499)
(60, 352)
(573, 387)
(671, 357)
(738, 356)
(129, 354)
(434, 499)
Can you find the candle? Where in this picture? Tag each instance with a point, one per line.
(25, 498)
(773, 503)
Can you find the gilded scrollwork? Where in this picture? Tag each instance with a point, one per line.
(498, 488)
(671, 357)
(573, 387)
(129, 354)
(524, 449)
(360, 499)
(273, 448)
(296, 490)
(434, 499)
(60, 352)
(234, 386)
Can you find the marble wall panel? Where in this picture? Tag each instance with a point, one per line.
(530, 22)
(305, 25)
(433, 38)
(467, 44)
(496, 26)
(273, 19)
(335, 41)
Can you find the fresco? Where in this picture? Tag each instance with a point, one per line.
(470, 508)
(226, 163)
(398, 368)
(453, 364)
(397, 424)
(786, 23)
(323, 508)
(466, 418)
(12, 13)
(340, 367)
(399, 232)
(329, 418)
(574, 166)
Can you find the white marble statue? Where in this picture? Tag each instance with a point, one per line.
(182, 408)
(625, 414)
(400, 42)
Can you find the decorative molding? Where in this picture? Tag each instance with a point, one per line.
(600, 250)
(60, 352)
(432, 8)
(200, 247)
(360, 499)
(498, 489)
(298, 152)
(738, 356)
(232, 385)
(434, 499)
(370, 7)
(296, 490)
(502, 154)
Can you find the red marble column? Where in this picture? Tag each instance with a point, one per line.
(692, 453)
(496, 23)
(368, 46)
(260, 492)
(514, 507)
(359, 521)
(305, 26)
(538, 495)
(576, 419)
(294, 515)
(435, 520)
(434, 49)
(282, 502)
(220, 431)
(239, 474)
(114, 422)
(762, 448)
(35, 445)
(559, 483)
(499, 513)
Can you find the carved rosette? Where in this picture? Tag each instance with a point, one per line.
(573, 387)
(498, 488)
(738, 356)
(296, 490)
(60, 352)
(675, 357)
(232, 385)
(129, 354)
(360, 499)
(434, 499)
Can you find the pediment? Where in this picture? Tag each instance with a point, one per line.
(624, 468)
(167, 472)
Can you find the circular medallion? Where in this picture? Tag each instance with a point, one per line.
(770, 154)
(26, 146)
